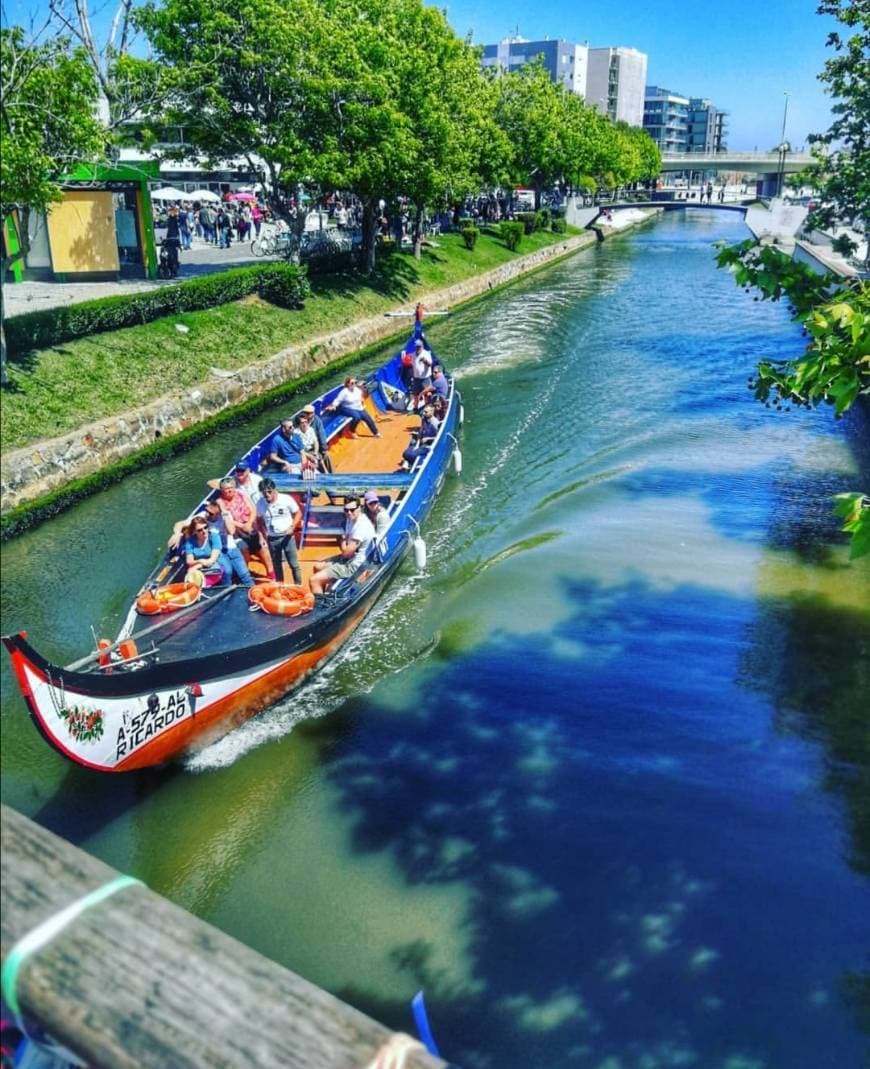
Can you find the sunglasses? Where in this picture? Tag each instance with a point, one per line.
(351, 508)
(201, 527)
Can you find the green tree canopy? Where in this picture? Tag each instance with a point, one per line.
(842, 171)
(253, 81)
(531, 111)
(47, 116)
(450, 102)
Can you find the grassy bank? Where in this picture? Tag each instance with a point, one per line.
(55, 391)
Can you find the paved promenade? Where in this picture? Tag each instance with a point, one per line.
(200, 260)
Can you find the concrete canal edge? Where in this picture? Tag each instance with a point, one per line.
(41, 479)
(132, 981)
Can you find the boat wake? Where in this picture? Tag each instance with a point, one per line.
(381, 646)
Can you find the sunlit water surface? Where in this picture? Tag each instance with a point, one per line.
(598, 780)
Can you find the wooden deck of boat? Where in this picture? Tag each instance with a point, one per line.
(364, 454)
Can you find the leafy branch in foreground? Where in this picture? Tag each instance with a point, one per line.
(835, 367)
(854, 508)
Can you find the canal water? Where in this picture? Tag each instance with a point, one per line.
(599, 780)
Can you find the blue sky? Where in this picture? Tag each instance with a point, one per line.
(742, 55)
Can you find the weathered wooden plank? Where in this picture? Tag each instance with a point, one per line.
(138, 983)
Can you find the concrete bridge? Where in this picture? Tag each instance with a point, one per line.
(744, 162)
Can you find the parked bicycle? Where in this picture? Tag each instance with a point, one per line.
(270, 243)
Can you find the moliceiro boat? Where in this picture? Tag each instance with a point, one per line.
(193, 661)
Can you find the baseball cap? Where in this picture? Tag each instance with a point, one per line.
(370, 496)
(242, 465)
(418, 344)
(309, 408)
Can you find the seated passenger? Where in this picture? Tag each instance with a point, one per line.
(311, 447)
(324, 461)
(377, 514)
(231, 559)
(277, 516)
(440, 387)
(350, 402)
(285, 449)
(244, 516)
(202, 551)
(355, 541)
(422, 438)
(247, 481)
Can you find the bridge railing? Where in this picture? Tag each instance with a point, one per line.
(131, 981)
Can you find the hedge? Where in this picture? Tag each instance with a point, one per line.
(559, 226)
(512, 234)
(530, 220)
(469, 234)
(282, 284)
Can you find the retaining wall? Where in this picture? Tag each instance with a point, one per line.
(30, 473)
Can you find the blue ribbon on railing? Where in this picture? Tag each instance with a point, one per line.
(422, 1022)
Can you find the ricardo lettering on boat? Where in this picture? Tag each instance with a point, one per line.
(192, 661)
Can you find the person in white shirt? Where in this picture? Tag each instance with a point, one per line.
(350, 402)
(277, 516)
(248, 481)
(422, 379)
(358, 535)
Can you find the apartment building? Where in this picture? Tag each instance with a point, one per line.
(564, 61)
(615, 83)
(679, 123)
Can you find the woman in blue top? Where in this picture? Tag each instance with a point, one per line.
(202, 551)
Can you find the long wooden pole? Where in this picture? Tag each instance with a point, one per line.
(135, 982)
(167, 619)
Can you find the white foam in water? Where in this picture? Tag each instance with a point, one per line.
(326, 690)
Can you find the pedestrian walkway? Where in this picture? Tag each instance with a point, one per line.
(202, 259)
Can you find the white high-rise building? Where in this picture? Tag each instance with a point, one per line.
(615, 83)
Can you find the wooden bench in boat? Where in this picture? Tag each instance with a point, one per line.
(342, 484)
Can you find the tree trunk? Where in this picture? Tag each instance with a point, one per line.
(537, 196)
(418, 231)
(370, 233)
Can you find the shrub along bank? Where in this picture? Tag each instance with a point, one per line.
(281, 284)
(57, 389)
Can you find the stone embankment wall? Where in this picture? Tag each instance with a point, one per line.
(28, 474)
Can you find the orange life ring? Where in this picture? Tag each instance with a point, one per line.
(279, 599)
(167, 598)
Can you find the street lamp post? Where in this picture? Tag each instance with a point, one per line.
(783, 147)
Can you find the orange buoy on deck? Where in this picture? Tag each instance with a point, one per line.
(167, 598)
(279, 599)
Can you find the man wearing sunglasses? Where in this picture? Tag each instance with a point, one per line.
(356, 539)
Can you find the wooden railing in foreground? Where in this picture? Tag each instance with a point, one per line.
(135, 982)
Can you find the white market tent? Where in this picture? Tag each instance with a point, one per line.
(201, 194)
(169, 193)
